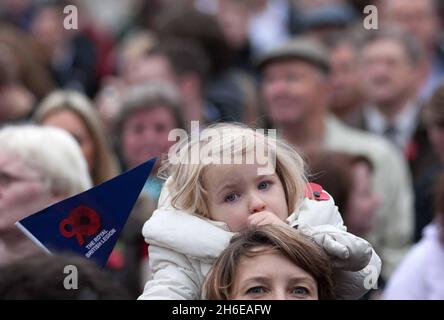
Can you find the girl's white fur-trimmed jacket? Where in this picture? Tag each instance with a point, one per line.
(184, 246)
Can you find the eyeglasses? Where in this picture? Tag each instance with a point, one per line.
(7, 179)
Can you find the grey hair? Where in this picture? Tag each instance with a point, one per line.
(411, 45)
(52, 152)
(147, 96)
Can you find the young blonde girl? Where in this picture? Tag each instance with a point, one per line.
(204, 203)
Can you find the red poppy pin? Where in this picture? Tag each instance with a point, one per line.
(411, 151)
(82, 221)
(314, 191)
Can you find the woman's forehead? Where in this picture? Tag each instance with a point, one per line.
(217, 173)
(11, 162)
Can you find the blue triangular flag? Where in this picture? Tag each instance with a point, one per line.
(89, 223)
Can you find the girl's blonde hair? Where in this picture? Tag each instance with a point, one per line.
(186, 183)
(299, 249)
(106, 165)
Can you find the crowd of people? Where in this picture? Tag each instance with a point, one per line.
(359, 146)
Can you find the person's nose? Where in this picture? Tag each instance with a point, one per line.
(381, 70)
(147, 131)
(149, 136)
(278, 294)
(257, 204)
(278, 87)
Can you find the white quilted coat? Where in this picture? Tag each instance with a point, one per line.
(183, 247)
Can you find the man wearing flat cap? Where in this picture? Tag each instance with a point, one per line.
(296, 91)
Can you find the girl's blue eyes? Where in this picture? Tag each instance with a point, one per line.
(264, 185)
(231, 197)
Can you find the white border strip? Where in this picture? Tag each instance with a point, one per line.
(31, 236)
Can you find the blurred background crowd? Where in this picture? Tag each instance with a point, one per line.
(371, 128)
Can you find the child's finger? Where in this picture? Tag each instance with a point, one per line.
(261, 218)
(255, 219)
(265, 218)
(263, 222)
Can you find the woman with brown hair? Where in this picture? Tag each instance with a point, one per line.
(348, 178)
(74, 112)
(246, 269)
(23, 80)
